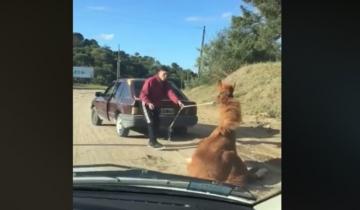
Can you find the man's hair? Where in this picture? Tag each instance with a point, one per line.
(163, 68)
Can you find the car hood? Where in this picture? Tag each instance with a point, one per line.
(118, 175)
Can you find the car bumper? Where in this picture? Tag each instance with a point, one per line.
(130, 121)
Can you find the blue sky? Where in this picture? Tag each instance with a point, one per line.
(168, 30)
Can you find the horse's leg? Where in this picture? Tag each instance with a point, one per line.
(238, 171)
(194, 166)
(217, 169)
(208, 166)
(198, 168)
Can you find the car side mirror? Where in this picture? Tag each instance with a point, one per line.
(99, 94)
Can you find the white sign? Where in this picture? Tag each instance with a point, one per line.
(83, 72)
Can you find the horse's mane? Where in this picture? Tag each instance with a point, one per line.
(229, 109)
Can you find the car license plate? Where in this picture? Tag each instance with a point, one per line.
(167, 111)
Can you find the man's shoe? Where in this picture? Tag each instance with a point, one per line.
(156, 145)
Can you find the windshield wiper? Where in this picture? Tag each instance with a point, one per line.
(203, 188)
(100, 167)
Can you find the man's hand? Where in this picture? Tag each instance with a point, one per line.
(151, 106)
(180, 104)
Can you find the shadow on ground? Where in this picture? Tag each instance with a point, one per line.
(110, 125)
(200, 131)
(197, 133)
(203, 130)
(252, 142)
(271, 178)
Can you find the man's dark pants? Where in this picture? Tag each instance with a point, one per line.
(152, 118)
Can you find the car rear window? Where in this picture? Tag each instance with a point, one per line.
(138, 86)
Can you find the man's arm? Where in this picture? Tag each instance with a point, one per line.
(171, 94)
(144, 94)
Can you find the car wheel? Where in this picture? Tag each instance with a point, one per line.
(95, 119)
(120, 129)
(180, 130)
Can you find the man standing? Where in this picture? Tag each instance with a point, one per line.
(153, 91)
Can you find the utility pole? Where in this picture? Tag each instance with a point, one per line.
(201, 51)
(118, 64)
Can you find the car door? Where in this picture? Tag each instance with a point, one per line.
(114, 102)
(109, 102)
(126, 99)
(101, 103)
(121, 102)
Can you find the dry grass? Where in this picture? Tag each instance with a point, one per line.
(258, 87)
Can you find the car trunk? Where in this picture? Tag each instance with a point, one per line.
(167, 107)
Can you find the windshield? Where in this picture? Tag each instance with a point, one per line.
(228, 130)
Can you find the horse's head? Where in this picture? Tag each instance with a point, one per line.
(226, 91)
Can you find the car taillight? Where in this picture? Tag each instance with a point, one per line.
(134, 110)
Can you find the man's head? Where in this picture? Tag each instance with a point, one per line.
(162, 72)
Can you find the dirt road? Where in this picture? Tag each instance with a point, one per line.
(257, 144)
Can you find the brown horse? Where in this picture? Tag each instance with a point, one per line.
(216, 157)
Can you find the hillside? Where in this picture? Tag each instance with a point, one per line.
(87, 52)
(258, 87)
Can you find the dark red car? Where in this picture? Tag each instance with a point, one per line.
(121, 105)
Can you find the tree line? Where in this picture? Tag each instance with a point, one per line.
(254, 36)
(87, 52)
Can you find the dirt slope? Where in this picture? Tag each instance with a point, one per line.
(258, 87)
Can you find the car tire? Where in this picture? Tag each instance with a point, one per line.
(180, 130)
(120, 129)
(95, 119)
